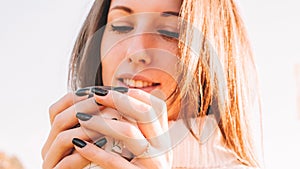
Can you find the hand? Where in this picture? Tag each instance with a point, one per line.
(59, 142)
(145, 135)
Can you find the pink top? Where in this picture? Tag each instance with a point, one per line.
(209, 153)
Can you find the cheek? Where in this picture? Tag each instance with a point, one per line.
(110, 64)
(111, 57)
(166, 60)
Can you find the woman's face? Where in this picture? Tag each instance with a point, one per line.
(139, 47)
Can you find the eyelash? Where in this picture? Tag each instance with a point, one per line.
(121, 29)
(169, 34)
(125, 29)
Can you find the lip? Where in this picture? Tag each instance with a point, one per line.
(137, 78)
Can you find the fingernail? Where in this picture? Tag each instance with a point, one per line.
(82, 92)
(121, 89)
(76, 126)
(118, 89)
(99, 104)
(83, 116)
(100, 143)
(90, 95)
(79, 143)
(99, 91)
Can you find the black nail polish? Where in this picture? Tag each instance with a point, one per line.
(83, 116)
(99, 91)
(121, 89)
(83, 92)
(76, 126)
(99, 104)
(79, 143)
(100, 143)
(90, 95)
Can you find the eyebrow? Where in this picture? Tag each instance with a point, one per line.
(128, 10)
(124, 8)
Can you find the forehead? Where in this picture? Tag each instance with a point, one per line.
(148, 5)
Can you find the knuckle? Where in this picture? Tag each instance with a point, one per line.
(63, 141)
(140, 108)
(55, 107)
(59, 122)
(62, 138)
(52, 111)
(69, 96)
(129, 131)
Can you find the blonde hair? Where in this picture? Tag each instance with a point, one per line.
(219, 68)
(218, 73)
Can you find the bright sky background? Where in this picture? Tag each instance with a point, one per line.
(36, 39)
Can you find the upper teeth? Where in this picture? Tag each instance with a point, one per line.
(137, 83)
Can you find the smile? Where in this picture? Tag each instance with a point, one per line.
(137, 83)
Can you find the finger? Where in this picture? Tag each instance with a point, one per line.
(156, 138)
(129, 134)
(99, 156)
(63, 103)
(62, 145)
(67, 119)
(145, 115)
(73, 161)
(149, 98)
(152, 100)
(135, 105)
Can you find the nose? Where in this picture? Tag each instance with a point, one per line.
(138, 51)
(139, 58)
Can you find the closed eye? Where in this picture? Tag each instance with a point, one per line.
(121, 29)
(169, 34)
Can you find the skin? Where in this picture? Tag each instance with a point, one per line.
(129, 55)
(141, 51)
